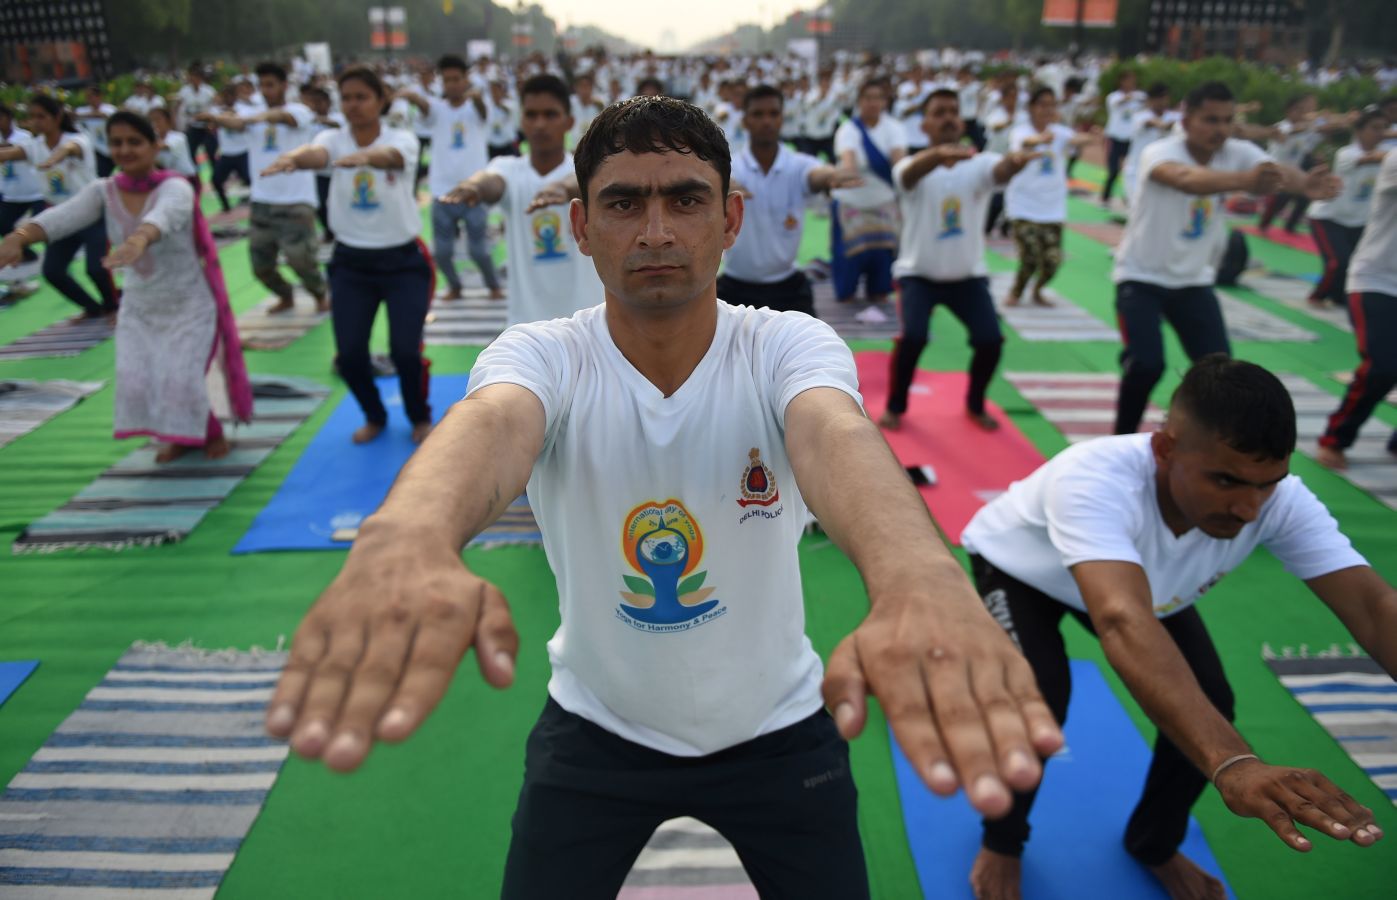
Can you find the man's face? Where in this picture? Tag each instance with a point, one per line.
(656, 226)
(1127, 82)
(272, 88)
(941, 120)
(1159, 105)
(872, 102)
(545, 122)
(454, 83)
(94, 99)
(583, 86)
(1210, 124)
(1216, 488)
(318, 103)
(762, 120)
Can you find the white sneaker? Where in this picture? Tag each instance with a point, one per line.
(872, 316)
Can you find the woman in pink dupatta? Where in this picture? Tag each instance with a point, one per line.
(175, 323)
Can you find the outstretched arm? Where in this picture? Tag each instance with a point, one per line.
(1138, 647)
(483, 187)
(377, 651)
(961, 699)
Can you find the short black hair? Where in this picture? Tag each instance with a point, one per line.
(312, 90)
(872, 83)
(132, 120)
(55, 108)
(763, 92)
(551, 85)
(650, 82)
(1241, 403)
(941, 94)
(651, 125)
(1369, 116)
(1039, 92)
(1208, 90)
(1158, 89)
(366, 76)
(276, 70)
(452, 61)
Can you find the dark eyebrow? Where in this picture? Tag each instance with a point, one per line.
(622, 191)
(1243, 481)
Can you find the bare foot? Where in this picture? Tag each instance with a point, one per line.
(452, 294)
(420, 432)
(170, 452)
(983, 419)
(283, 304)
(322, 304)
(878, 299)
(890, 420)
(1183, 880)
(995, 876)
(1040, 300)
(366, 432)
(496, 294)
(1331, 457)
(217, 448)
(1011, 300)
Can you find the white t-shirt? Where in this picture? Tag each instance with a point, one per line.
(1120, 113)
(943, 220)
(266, 142)
(1039, 192)
(1171, 238)
(176, 156)
(231, 142)
(999, 127)
(372, 208)
(193, 101)
(549, 278)
(1354, 202)
(459, 144)
(888, 135)
(766, 248)
(95, 128)
(1144, 135)
(1294, 142)
(582, 116)
(1097, 501)
(64, 180)
(1374, 264)
(503, 123)
(144, 105)
(671, 524)
(19, 180)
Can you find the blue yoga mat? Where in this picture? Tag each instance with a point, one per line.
(12, 675)
(337, 483)
(1078, 819)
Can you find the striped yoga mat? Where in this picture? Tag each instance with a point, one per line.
(1246, 322)
(25, 405)
(149, 788)
(1081, 405)
(260, 331)
(1370, 466)
(687, 860)
(1356, 702)
(60, 339)
(1294, 293)
(843, 317)
(473, 321)
(1063, 321)
(1294, 241)
(140, 502)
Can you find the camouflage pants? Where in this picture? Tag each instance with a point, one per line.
(290, 232)
(1039, 245)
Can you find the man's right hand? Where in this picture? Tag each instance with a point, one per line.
(1266, 178)
(11, 251)
(462, 193)
(377, 651)
(1280, 796)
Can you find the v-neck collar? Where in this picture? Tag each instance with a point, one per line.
(643, 388)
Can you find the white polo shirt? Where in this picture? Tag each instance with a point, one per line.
(193, 101)
(266, 142)
(460, 143)
(943, 220)
(671, 524)
(1120, 113)
(372, 208)
(1097, 501)
(766, 248)
(1172, 238)
(1374, 264)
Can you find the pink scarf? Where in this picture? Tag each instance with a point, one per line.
(227, 350)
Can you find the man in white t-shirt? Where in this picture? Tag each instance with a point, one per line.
(760, 268)
(1121, 106)
(586, 106)
(192, 100)
(946, 191)
(1125, 534)
(1153, 123)
(503, 127)
(283, 206)
(144, 98)
(1372, 287)
(92, 118)
(1294, 139)
(459, 122)
(549, 277)
(670, 443)
(1166, 261)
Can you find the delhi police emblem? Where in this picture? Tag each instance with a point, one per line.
(758, 484)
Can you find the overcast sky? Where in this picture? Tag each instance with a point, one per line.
(647, 21)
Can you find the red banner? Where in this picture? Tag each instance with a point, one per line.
(1095, 13)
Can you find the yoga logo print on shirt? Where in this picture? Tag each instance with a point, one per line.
(270, 144)
(364, 196)
(10, 171)
(1199, 212)
(1046, 166)
(1365, 190)
(663, 544)
(58, 186)
(548, 237)
(458, 136)
(758, 484)
(950, 218)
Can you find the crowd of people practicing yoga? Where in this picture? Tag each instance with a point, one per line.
(637, 382)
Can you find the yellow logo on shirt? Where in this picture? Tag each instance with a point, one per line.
(364, 196)
(458, 136)
(548, 237)
(58, 186)
(1200, 211)
(950, 218)
(662, 543)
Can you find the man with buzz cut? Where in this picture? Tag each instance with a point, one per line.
(670, 443)
(1125, 534)
(1166, 262)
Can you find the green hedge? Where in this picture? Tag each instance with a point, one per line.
(117, 89)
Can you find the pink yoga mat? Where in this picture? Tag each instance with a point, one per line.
(1284, 238)
(972, 466)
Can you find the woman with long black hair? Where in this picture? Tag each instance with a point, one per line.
(67, 163)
